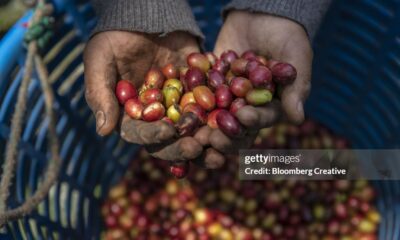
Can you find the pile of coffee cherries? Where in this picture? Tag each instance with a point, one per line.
(215, 204)
(309, 135)
(209, 90)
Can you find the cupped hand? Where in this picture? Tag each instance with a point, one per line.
(277, 38)
(113, 55)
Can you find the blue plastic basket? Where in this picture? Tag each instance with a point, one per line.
(90, 163)
(355, 36)
(356, 86)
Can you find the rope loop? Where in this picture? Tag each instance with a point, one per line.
(37, 36)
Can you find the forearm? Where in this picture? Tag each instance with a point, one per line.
(149, 16)
(306, 12)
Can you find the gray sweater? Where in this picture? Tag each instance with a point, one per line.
(164, 16)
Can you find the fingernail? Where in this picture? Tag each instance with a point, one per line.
(100, 120)
(300, 107)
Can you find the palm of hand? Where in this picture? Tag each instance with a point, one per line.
(114, 55)
(277, 38)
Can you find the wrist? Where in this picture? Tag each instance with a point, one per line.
(308, 14)
(146, 16)
(246, 20)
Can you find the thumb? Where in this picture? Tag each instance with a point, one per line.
(294, 95)
(100, 80)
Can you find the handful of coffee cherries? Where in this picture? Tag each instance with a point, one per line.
(209, 90)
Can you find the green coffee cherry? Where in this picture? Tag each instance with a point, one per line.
(257, 97)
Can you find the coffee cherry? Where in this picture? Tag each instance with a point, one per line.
(154, 79)
(194, 77)
(142, 222)
(366, 226)
(186, 99)
(173, 82)
(134, 108)
(215, 79)
(249, 55)
(223, 96)
(341, 211)
(257, 97)
(116, 234)
(187, 124)
(180, 170)
(229, 56)
(229, 125)
(239, 86)
(236, 105)
(126, 222)
(174, 113)
(212, 119)
(260, 76)
(284, 73)
(170, 71)
(171, 96)
(199, 61)
(373, 216)
(153, 112)
(116, 209)
(202, 216)
(124, 91)
(238, 67)
(204, 97)
(221, 66)
(111, 221)
(151, 95)
(117, 191)
(251, 65)
(197, 110)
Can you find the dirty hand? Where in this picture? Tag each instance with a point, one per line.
(277, 38)
(113, 55)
